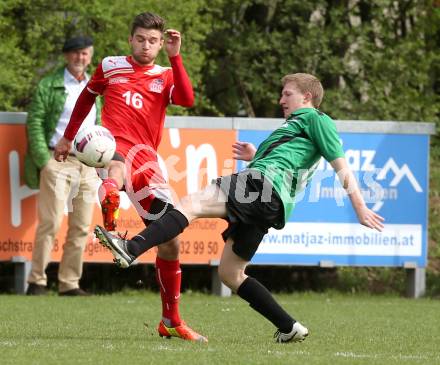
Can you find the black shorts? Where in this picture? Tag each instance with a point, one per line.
(252, 208)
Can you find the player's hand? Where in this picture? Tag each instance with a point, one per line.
(243, 151)
(173, 42)
(62, 149)
(370, 219)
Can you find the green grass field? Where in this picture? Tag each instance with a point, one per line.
(120, 329)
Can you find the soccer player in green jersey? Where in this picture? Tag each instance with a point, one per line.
(260, 197)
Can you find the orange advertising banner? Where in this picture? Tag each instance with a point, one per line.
(193, 157)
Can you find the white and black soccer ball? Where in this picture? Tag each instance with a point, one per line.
(94, 146)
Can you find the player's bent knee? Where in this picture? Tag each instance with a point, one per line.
(232, 279)
(169, 250)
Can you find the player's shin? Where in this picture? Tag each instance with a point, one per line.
(169, 226)
(261, 300)
(168, 275)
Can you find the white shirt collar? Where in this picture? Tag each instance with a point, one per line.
(68, 77)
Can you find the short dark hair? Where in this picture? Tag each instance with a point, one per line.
(148, 21)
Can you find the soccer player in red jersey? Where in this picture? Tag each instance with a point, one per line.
(136, 94)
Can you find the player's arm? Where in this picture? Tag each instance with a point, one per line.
(244, 151)
(82, 108)
(323, 133)
(365, 215)
(182, 93)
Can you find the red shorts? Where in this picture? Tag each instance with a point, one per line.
(145, 180)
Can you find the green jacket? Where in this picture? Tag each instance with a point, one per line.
(44, 113)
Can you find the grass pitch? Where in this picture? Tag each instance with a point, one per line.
(120, 329)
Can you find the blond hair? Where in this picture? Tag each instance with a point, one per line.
(306, 83)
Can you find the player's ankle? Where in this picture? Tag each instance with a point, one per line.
(171, 322)
(107, 186)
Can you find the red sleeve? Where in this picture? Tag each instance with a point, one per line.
(97, 82)
(82, 108)
(84, 103)
(182, 93)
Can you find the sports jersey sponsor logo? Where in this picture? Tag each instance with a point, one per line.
(156, 86)
(118, 80)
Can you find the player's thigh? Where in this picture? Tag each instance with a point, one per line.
(207, 203)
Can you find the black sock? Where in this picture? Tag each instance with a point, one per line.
(164, 229)
(260, 299)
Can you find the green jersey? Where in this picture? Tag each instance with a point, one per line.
(291, 154)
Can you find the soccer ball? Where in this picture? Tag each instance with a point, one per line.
(94, 146)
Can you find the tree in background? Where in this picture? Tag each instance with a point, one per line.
(32, 33)
(377, 60)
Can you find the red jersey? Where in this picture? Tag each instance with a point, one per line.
(135, 97)
(135, 100)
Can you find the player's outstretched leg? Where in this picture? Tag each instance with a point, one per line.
(109, 198)
(117, 245)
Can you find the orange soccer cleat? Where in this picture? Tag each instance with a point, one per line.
(110, 206)
(182, 331)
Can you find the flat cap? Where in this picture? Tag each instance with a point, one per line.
(75, 43)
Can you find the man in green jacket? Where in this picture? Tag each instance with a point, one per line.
(73, 184)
